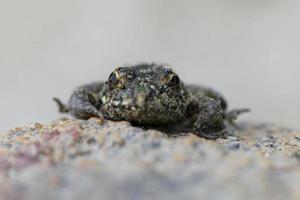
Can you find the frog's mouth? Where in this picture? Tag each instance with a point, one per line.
(145, 115)
(145, 108)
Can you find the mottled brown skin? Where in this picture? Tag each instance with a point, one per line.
(150, 94)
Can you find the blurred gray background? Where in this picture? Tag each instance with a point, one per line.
(247, 49)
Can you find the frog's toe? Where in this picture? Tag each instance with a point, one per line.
(212, 135)
(232, 115)
(62, 108)
(95, 113)
(212, 127)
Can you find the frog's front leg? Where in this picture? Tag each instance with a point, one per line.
(84, 102)
(232, 115)
(210, 119)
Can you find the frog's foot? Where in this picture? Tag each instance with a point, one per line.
(83, 105)
(61, 106)
(212, 135)
(83, 111)
(210, 121)
(86, 112)
(213, 128)
(232, 115)
(91, 110)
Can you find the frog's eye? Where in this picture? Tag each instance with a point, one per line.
(174, 80)
(114, 77)
(171, 80)
(114, 80)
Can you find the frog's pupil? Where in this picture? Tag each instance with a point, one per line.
(113, 80)
(113, 77)
(175, 79)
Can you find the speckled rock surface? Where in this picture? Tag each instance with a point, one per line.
(75, 159)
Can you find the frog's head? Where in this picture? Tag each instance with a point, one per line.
(147, 94)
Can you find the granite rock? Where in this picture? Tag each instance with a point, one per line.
(77, 159)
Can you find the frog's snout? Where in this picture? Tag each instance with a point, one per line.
(141, 99)
(137, 99)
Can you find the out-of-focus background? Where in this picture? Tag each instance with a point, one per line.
(247, 49)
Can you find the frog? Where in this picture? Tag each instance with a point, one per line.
(153, 95)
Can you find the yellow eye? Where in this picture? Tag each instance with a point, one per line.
(174, 80)
(114, 77)
(114, 80)
(171, 80)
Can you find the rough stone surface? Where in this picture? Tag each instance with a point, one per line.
(76, 159)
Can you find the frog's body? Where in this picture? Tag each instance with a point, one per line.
(150, 94)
